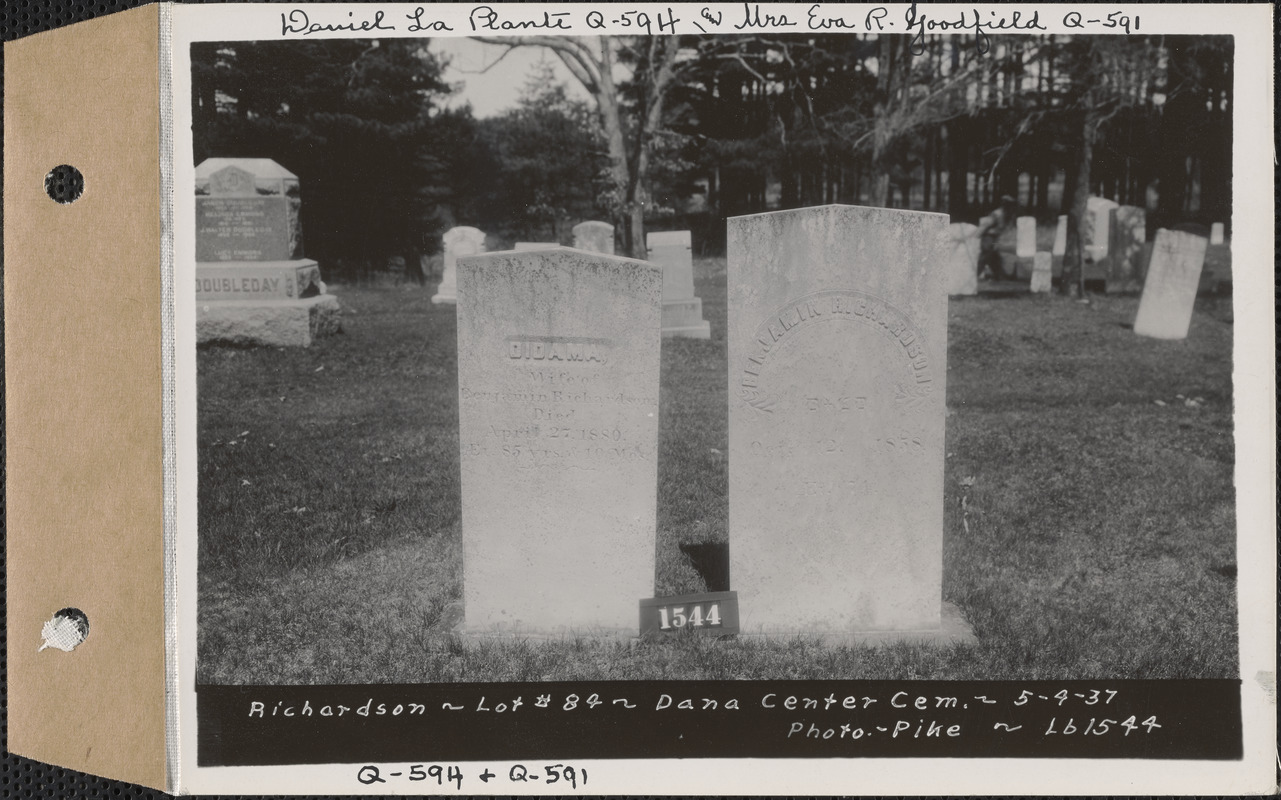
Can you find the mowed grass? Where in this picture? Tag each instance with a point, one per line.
(1089, 505)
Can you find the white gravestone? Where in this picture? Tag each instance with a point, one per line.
(558, 364)
(595, 237)
(1042, 273)
(962, 259)
(460, 241)
(838, 364)
(1129, 233)
(1095, 235)
(682, 310)
(1060, 245)
(252, 284)
(1165, 308)
(1216, 233)
(1024, 245)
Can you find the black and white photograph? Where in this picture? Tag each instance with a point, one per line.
(747, 379)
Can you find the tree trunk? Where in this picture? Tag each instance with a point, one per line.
(1073, 281)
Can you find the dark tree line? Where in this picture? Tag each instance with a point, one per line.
(743, 124)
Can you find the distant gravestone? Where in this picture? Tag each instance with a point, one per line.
(1042, 273)
(1128, 229)
(595, 237)
(1024, 244)
(1060, 245)
(838, 364)
(1095, 235)
(1216, 233)
(252, 284)
(460, 241)
(1165, 308)
(962, 259)
(682, 309)
(558, 365)
(525, 247)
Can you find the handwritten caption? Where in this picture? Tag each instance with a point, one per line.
(717, 18)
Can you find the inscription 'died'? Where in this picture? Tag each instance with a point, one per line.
(836, 305)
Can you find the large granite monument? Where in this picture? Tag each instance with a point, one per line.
(838, 366)
(558, 360)
(682, 309)
(252, 284)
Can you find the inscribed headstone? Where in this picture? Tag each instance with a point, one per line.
(595, 237)
(460, 241)
(838, 364)
(682, 310)
(1165, 308)
(1128, 226)
(962, 259)
(558, 360)
(1042, 272)
(243, 217)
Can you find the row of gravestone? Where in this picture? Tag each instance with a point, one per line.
(682, 310)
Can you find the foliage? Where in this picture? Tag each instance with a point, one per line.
(545, 161)
(357, 120)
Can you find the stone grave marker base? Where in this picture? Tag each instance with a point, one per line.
(953, 629)
(258, 280)
(274, 323)
(685, 318)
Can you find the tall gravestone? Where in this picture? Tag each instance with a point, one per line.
(1095, 233)
(1059, 248)
(1165, 308)
(1128, 231)
(459, 241)
(1024, 244)
(594, 237)
(962, 259)
(558, 359)
(838, 365)
(252, 284)
(1042, 273)
(1216, 233)
(682, 309)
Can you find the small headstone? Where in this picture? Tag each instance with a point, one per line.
(525, 247)
(595, 237)
(962, 259)
(558, 368)
(1042, 272)
(1216, 233)
(682, 310)
(838, 364)
(1025, 240)
(1095, 235)
(252, 284)
(1060, 245)
(1128, 228)
(460, 241)
(1165, 309)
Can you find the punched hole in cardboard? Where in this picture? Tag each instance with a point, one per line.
(68, 628)
(64, 184)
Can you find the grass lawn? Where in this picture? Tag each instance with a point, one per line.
(1089, 524)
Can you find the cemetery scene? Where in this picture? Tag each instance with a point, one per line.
(624, 387)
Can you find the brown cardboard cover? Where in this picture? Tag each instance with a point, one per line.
(83, 424)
